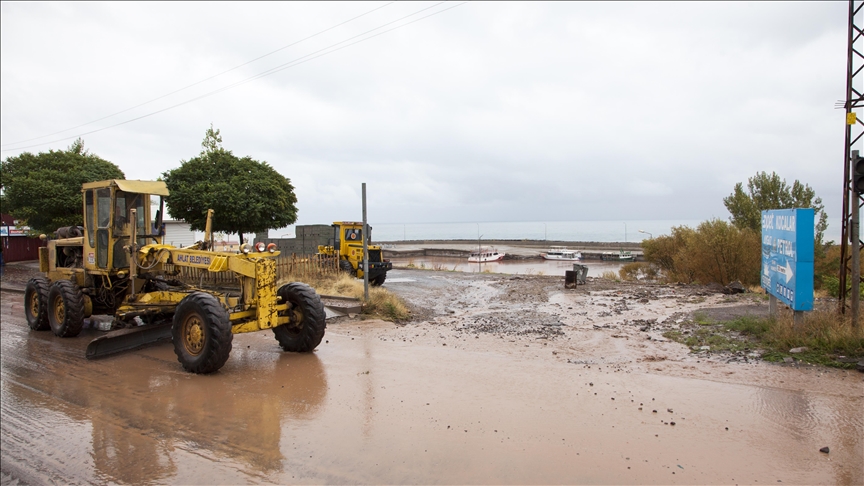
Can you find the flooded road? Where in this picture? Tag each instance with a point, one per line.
(533, 266)
(421, 403)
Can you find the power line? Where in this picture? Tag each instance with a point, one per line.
(197, 82)
(274, 70)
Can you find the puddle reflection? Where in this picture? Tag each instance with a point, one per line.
(139, 416)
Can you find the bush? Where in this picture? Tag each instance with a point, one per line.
(831, 284)
(716, 251)
(638, 271)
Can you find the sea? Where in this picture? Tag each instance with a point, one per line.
(600, 231)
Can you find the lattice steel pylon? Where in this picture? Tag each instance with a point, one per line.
(850, 246)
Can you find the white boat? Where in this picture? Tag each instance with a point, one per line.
(618, 256)
(483, 255)
(563, 254)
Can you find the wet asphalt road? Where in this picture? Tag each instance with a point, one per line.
(385, 404)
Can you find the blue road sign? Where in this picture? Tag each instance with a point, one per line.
(787, 256)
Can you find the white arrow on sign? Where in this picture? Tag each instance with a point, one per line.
(788, 272)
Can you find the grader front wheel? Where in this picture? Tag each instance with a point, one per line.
(306, 329)
(65, 308)
(201, 332)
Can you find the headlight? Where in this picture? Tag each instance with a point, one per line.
(244, 248)
(260, 246)
(271, 247)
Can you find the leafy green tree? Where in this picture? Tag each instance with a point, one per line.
(770, 192)
(247, 196)
(44, 190)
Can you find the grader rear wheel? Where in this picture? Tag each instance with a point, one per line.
(36, 303)
(201, 332)
(306, 329)
(65, 308)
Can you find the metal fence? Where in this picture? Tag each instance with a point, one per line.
(297, 267)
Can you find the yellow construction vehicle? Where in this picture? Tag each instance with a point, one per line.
(347, 242)
(117, 265)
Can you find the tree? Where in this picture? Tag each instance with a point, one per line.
(247, 196)
(770, 192)
(44, 190)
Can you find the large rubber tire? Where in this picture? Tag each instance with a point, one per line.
(379, 280)
(346, 267)
(36, 303)
(201, 332)
(65, 308)
(309, 315)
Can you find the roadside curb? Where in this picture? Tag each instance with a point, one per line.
(17, 290)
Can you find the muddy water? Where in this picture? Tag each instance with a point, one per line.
(379, 403)
(534, 266)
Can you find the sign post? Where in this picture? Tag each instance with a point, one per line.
(787, 258)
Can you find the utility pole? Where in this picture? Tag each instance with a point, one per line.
(850, 239)
(365, 249)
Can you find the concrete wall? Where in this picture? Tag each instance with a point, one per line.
(306, 241)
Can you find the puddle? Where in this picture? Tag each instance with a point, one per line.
(389, 404)
(514, 267)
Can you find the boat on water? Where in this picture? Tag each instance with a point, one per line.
(484, 255)
(563, 254)
(618, 256)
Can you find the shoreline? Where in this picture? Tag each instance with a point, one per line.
(513, 249)
(576, 245)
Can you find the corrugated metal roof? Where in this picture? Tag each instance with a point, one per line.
(144, 187)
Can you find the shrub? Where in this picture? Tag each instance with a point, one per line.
(831, 284)
(715, 251)
(638, 271)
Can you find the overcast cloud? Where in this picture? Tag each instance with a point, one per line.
(484, 112)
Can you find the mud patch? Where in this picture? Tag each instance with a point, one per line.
(538, 325)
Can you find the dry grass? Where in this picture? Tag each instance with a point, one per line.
(827, 338)
(381, 304)
(610, 275)
(824, 333)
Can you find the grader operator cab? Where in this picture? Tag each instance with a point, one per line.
(347, 242)
(116, 265)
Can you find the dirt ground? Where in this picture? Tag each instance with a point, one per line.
(496, 379)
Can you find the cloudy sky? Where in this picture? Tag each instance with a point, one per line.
(448, 111)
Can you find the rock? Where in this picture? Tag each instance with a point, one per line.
(799, 350)
(787, 359)
(704, 348)
(735, 288)
(824, 449)
(860, 366)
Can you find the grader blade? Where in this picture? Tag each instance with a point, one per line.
(128, 339)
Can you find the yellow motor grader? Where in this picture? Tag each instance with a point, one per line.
(117, 265)
(347, 243)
